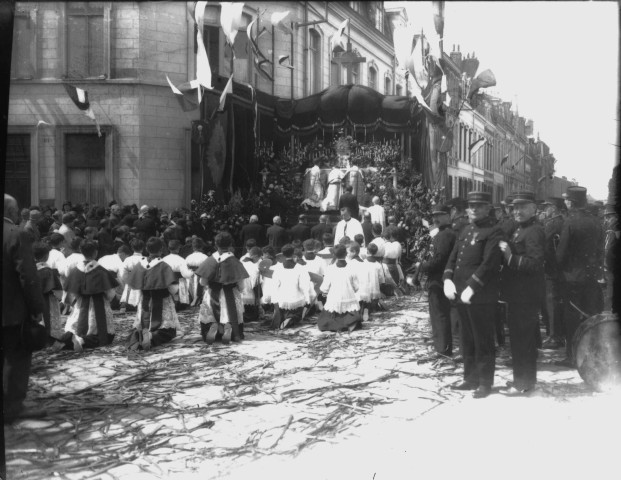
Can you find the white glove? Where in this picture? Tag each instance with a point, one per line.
(449, 289)
(466, 295)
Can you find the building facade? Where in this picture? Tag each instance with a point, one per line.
(121, 52)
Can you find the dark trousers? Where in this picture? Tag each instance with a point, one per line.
(554, 307)
(251, 313)
(440, 316)
(589, 298)
(501, 320)
(524, 331)
(162, 335)
(477, 342)
(15, 371)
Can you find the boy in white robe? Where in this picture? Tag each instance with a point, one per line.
(130, 297)
(370, 278)
(193, 261)
(114, 263)
(182, 273)
(51, 288)
(292, 288)
(250, 290)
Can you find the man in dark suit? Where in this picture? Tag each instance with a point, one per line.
(301, 231)
(367, 228)
(579, 256)
(322, 227)
(459, 217)
(522, 287)
(348, 199)
(439, 306)
(21, 292)
(471, 275)
(254, 230)
(203, 229)
(276, 235)
(145, 225)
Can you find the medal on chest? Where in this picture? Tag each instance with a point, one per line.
(474, 238)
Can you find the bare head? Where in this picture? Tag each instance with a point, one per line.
(254, 219)
(376, 200)
(11, 209)
(277, 220)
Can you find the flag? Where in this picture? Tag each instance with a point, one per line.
(259, 66)
(483, 80)
(541, 179)
(504, 159)
(403, 39)
(438, 17)
(231, 20)
(476, 146)
(80, 99)
(338, 40)
(278, 21)
(43, 122)
(516, 163)
(227, 89)
(281, 61)
(185, 103)
(253, 43)
(203, 70)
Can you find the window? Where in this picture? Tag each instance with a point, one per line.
(315, 80)
(399, 90)
(87, 39)
(23, 59)
(387, 86)
(17, 168)
(373, 78)
(379, 17)
(86, 169)
(355, 74)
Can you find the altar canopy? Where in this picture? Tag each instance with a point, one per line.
(354, 106)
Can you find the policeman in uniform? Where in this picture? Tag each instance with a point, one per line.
(439, 306)
(552, 225)
(579, 256)
(522, 284)
(471, 278)
(459, 217)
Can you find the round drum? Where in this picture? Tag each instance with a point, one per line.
(597, 351)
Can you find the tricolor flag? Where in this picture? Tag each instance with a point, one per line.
(476, 146)
(504, 159)
(80, 98)
(203, 70)
(338, 40)
(281, 61)
(231, 20)
(516, 163)
(278, 21)
(228, 89)
(185, 103)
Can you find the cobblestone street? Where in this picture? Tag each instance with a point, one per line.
(371, 404)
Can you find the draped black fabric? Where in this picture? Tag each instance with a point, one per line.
(229, 297)
(100, 317)
(152, 308)
(352, 105)
(98, 280)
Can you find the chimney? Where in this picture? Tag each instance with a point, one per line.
(456, 57)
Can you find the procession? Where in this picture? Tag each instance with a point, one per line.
(266, 268)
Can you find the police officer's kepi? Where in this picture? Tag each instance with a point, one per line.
(577, 194)
(441, 210)
(508, 200)
(479, 197)
(524, 197)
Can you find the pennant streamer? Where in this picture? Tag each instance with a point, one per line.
(203, 70)
(476, 146)
(231, 19)
(482, 80)
(504, 159)
(80, 99)
(278, 21)
(438, 17)
(282, 59)
(338, 40)
(185, 103)
(228, 89)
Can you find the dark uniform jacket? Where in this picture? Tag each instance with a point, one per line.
(350, 200)
(552, 228)
(367, 230)
(459, 223)
(522, 278)
(508, 226)
(276, 236)
(439, 251)
(318, 230)
(580, 249)
(255, 231)
(300, 231)
(475, 261)
(145, 228)
(204, 232)
(21, 287)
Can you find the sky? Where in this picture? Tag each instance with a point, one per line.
(557, 62)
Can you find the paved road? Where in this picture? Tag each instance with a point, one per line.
(302, 404)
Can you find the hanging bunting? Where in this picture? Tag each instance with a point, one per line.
(338, 42)
(80, 99)
(281, 61)
(231, 18)
(203, 70)
(185, 103)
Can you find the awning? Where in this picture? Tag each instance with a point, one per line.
(347, 105)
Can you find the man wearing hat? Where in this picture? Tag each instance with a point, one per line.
(439, 306)
(522, 284)
(552, 226)
(579, 256)
(508, 225)
(459, 217)
(471, 279)
(204, 229)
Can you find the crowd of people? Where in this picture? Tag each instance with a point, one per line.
(518, 263)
